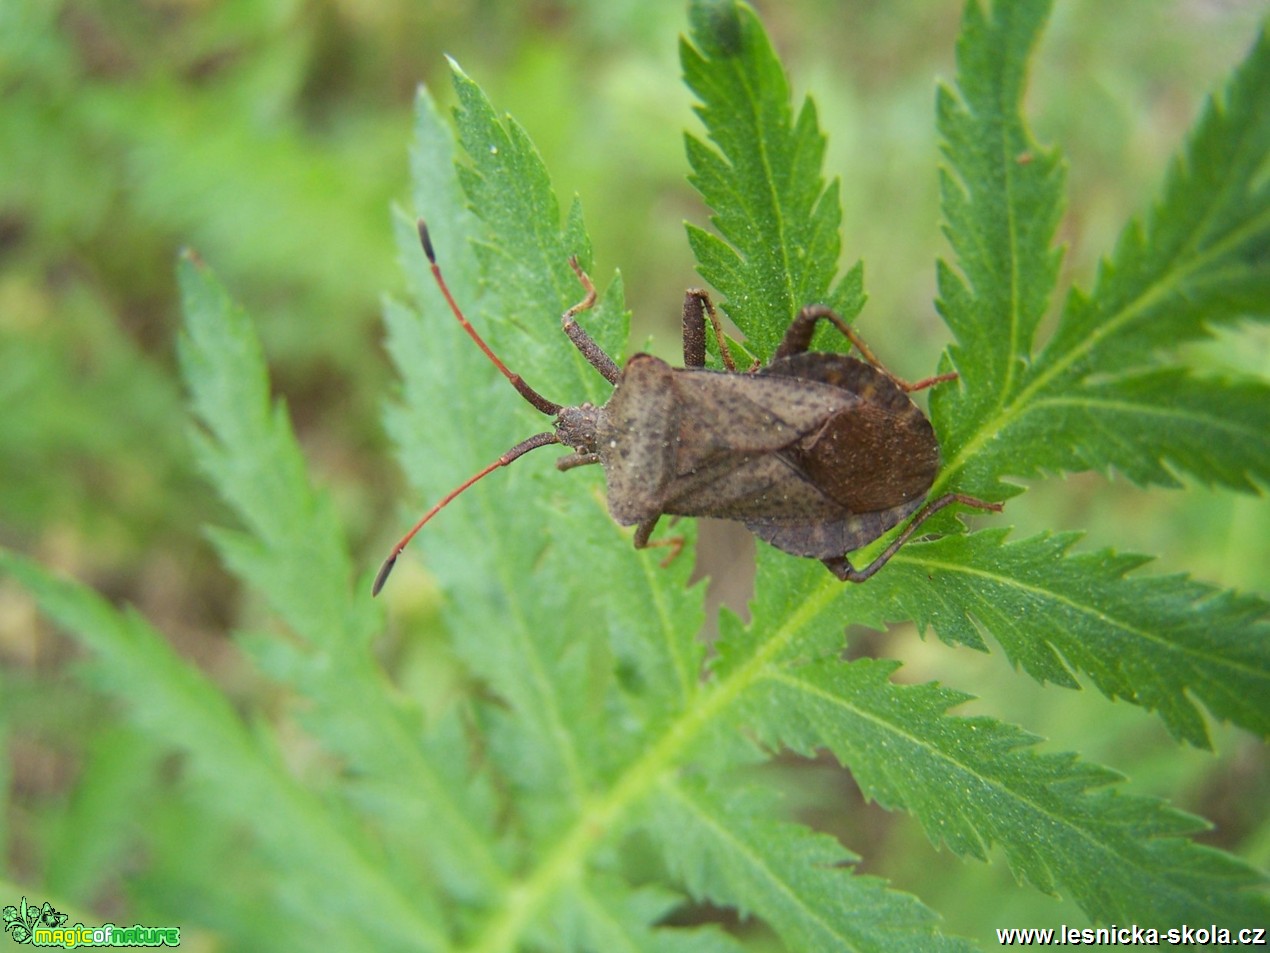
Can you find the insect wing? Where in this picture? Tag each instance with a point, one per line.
(724, 414)
(734, 431)
(703, 443)
(878, 454)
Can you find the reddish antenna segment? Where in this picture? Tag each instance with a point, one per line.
(522, 448)
(550, 408)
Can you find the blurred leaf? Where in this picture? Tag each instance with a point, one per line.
(240, 779)
(295, 553)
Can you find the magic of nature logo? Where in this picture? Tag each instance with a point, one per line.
(45, 926)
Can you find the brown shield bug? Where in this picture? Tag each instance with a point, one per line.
(816, 453)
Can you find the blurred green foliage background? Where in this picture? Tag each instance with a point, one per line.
(271, 136)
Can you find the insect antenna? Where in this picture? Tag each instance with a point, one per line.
(550, 408)
(522, 448)
(532, 396)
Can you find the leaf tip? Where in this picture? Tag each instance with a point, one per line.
(716, 27)
(457, 73)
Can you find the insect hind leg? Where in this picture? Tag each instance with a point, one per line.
(798, 336)
(841, 567)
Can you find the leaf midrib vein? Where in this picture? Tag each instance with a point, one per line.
(562, 862)
(1168, 414)
(769, 179)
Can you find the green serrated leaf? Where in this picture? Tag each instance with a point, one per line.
(574, 781)
(1002, 196)
(256, 464)
(1152, 640)
(973, 784)
(523, 639)
(778, 220)
(296, 553)
(1162, 642)
(584, 642)
(726, 848)
(1025, 414)
(1155, 427)
(524, 249)
(1199, 260)
(1053, 613)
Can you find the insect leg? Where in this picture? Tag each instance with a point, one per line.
(798, 339)
(697, 305)
(577, 334)
(577, 460)
(645, 529)
(843, 569)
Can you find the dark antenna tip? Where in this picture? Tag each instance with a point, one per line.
(426, 241)
(382, 576)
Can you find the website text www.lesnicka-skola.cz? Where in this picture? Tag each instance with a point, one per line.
(1182, 936)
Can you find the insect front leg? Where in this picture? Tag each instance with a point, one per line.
(581, 340)
(798, 339)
